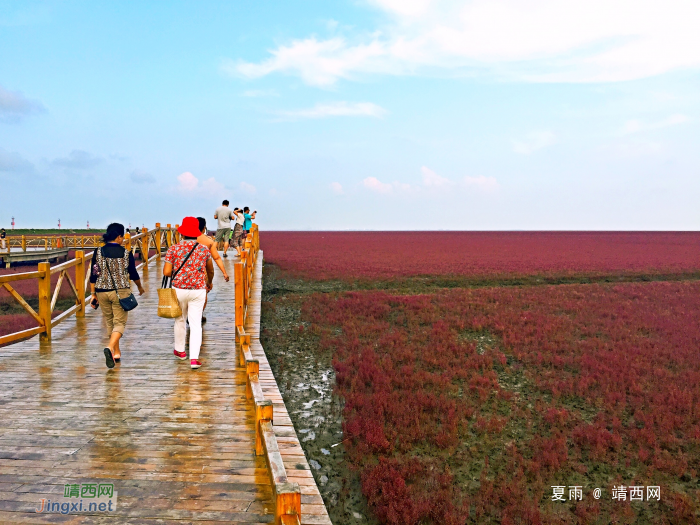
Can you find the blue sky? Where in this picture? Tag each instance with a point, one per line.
(382, 114)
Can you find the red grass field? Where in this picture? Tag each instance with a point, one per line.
(385, 255)
(470, 404)
(475, 402)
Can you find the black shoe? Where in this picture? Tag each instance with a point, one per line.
(225, 255)
(109, 358)
(204, 319)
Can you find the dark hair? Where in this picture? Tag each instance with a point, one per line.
(114, 230)
(202, 223)
(246, 208)
(225, 203)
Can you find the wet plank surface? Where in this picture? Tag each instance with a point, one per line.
(313, 511)
(177, 443)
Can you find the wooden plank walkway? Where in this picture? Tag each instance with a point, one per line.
(313, 511)
(178, 444)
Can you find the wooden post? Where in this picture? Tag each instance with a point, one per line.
(158, 241)
(253, 371)
(288, 502)
(24, 243)
(127, 241)
(169, 236)
(238, 282)
(45, 299)
(263, 413)
(177, 234)
(80, 282)
(46, 243)
(145, 248)
(246, 284)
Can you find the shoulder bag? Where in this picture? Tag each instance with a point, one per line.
(128, 303)
(168, 305)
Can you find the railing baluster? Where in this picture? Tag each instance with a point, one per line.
(80, 282)
(44, 299)
(157, 240)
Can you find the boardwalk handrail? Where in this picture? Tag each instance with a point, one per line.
(287, 495)
(81, 241)
(158, 238)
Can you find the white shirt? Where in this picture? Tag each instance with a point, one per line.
(239, 218)
(223, 215)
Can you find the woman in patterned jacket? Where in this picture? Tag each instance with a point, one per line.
(112, 269)
(191, 264)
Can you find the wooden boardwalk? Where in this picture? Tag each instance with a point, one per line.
(178, 444)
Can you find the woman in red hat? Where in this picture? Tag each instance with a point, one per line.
(190, 266)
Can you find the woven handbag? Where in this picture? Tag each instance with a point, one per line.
(168, 305)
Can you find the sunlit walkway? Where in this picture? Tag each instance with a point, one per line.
(177, 444)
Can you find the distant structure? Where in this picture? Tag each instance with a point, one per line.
(59, 224)
(13, 223)
(88, 226)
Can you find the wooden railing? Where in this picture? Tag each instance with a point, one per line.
(287, 495)
(158, 239)
(50, 242)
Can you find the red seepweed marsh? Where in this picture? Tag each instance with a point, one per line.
(479, 401)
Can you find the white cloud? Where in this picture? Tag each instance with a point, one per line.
(337, 188)
(189, 184)
(535, 40)
(432, 179)
(337, 109)
(481, 182)
(374, 184)
(319, 63)
(533, 142)
(248, 188)
(14, 106)
(635, 126)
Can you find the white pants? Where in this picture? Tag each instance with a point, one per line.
(192, 305)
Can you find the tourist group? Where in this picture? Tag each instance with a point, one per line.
(189, 266)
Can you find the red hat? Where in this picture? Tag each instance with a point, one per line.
(190, 227)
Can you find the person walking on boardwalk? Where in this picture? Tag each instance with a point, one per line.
(112, 269)
(237, 234)
(206, 241)
(3, 236)
(189, 265)
(223, 214)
